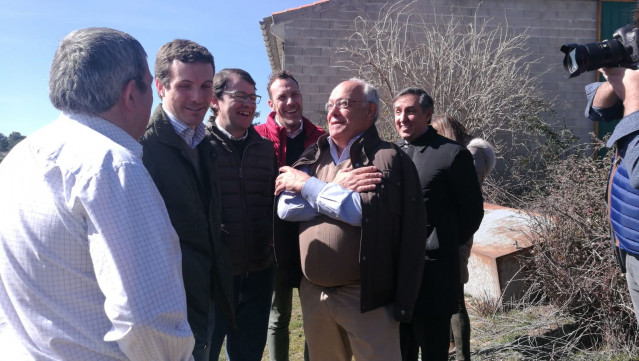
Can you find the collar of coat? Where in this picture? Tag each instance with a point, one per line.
(164, 129)
(423, 139)
(216, 134)
(361, 152)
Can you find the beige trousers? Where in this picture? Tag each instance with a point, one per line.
(335, 329)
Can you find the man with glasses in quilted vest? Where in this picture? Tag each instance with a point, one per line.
(247, 169)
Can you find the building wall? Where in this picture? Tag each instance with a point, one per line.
(311, 35)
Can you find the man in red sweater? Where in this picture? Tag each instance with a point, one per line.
(290, 133)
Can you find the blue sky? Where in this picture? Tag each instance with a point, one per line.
(31, 29)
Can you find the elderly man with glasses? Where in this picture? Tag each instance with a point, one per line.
(247, 170)
(360, 253)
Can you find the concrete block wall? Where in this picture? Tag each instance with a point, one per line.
(312, 34)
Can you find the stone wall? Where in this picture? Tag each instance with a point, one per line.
(309, 36)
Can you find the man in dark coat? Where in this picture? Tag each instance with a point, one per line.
(454, 209)
(184, 169)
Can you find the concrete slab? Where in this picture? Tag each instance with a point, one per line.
(493, 265)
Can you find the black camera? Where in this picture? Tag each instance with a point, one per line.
(621, 51)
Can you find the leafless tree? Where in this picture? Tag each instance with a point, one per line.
(479, 72)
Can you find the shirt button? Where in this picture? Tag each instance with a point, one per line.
(204, 347)
(363, 258)
(402, 312)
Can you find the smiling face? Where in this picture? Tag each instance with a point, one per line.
(188, 92)
(286, 101)
(410, 119)
(235, 116)
(345, 124)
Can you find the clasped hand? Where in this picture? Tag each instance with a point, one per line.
(363, 179)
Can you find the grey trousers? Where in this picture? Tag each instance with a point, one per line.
(632, 277)
(278, 323)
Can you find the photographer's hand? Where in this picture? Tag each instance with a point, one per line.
(625, 84)
(605, 97)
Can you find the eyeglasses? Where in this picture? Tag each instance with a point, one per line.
(341, 104)
(244, 98)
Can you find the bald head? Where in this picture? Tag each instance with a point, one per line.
(351, 109)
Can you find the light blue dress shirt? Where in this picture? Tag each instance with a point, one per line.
(318, 197)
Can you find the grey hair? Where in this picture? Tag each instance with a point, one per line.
(91, 67)
(425, 101)
(370, 94)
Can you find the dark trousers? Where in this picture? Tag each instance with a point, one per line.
(460, 329)
(436, 302)
(252, 305)
(433, 340)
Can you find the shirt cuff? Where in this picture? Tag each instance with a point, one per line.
(614, 112)
(311, 190)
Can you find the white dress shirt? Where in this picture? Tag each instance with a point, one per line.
(90, 266)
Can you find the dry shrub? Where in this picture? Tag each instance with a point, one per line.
(477, 70)
(572, 262)
(487, 306)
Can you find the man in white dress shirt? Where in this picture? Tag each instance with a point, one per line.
(90, 266)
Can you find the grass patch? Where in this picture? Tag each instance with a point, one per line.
(516, 333)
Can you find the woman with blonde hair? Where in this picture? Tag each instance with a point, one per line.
(483, 153)
(484, 160)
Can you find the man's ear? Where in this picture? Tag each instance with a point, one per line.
(160, 87)
(372, 109)
(129, 95)
(429, 116)
(271, 104)
(213, 103)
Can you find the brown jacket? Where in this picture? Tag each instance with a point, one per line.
(391, 256)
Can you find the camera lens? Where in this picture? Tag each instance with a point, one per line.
(580, 58)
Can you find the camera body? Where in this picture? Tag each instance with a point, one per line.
(621, 51)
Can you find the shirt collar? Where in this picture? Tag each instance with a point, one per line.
(192, 137)
(229, 134)
(107, 129)
(346, 154)
(291, 134)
